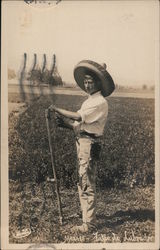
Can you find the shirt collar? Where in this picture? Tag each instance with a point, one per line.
(95, 94)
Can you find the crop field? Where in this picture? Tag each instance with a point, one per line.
(125, 174)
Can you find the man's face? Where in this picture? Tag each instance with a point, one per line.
(90, 85)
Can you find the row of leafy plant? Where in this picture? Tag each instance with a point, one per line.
(127, 156)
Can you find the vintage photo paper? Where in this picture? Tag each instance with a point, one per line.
(80, 124)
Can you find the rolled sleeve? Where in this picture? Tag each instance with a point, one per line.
(82, 115)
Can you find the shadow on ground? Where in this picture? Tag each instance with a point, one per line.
(121, 217)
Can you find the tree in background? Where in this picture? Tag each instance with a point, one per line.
(144, 87)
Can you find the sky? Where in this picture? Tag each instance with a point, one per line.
(123, 34)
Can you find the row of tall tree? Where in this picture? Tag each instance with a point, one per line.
(41, 75)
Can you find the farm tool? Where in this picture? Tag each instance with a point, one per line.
(47, 116)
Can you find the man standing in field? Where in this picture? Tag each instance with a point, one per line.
(88, 124)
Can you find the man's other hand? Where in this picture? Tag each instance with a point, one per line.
(63, 122)
(59, 120)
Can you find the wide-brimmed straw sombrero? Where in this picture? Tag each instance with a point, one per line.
(107, 84)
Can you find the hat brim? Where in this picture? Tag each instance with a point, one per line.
(107, 83)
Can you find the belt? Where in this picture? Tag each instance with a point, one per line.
(84, 133)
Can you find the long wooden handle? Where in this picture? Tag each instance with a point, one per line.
(54, 168)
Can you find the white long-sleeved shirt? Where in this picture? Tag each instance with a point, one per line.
(94, 113)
